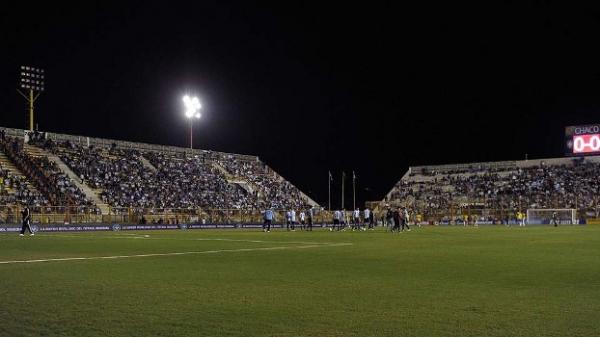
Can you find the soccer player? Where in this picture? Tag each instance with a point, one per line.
(396, 220)
(336, 220)
(293, 219)
(554, 219)
(288, 219)
(367, 217)
(520, 218)
(389, 218)
(302, 220)
(406, 219)
(356, 219)
(268, 219)
(26, 214)
(310, 218)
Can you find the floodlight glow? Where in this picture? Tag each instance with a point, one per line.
(192, 105)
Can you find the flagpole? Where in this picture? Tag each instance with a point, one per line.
(329, 189)
(343, 180)
(353, 190)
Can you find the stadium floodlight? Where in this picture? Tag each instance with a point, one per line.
(32, 81)
(192, 111)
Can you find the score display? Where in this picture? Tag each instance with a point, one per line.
(582, 140)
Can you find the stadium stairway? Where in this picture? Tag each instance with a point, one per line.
(221, 169)
(250, 187)
(243, 184)
(89, 193)
(147, 163)
(34, 151)
(308, 199)
(234, 180)
(8, 165)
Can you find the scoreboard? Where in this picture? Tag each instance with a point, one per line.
(582, 140)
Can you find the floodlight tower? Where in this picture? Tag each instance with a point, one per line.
(192, 107)
(32, 80)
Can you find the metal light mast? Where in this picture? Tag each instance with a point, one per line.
(32, 82)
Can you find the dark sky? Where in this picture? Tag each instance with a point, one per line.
(371, 87)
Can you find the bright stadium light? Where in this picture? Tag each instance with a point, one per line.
(32, 82)
(192, 111)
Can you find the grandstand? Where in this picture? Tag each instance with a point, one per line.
(493, 192)
(95, 180)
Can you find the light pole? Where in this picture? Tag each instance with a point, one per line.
(32, 80)
(192, 107)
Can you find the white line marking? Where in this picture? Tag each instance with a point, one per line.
(176, 253)
(141, 236)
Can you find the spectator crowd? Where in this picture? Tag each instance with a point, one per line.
(166, 181)
(570, 185)
(53, 186)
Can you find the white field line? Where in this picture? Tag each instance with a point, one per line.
(175, 253)
(148, 237)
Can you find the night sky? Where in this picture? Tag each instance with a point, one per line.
(370, 87)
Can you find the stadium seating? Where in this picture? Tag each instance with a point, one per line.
(270, 189)
(140, 178)
(509, 186)
(54, 185)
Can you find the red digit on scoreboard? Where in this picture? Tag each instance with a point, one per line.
(586, 143)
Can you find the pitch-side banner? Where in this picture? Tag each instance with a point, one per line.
(120, 227)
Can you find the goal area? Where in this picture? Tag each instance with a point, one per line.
(564, 216)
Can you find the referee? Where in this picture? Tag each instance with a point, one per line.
(26, 214)
(268, 220)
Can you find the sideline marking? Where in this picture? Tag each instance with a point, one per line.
(142, 236)
(176, 253)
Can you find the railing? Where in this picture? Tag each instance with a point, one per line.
(51, 214)
(85, 141)
(454, 214)
(464, 167)
(202, 215)
(478, 215)
(83, 215)
(478, 209)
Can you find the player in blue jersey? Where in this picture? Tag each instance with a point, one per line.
(268, 217)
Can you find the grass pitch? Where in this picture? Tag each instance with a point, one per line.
(451, 281)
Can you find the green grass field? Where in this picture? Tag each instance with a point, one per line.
(452, 281)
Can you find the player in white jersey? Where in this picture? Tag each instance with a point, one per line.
(336, 220)
(293, 218)
(367, 217)
(343, 219)
(302, 220)
(406, 219)
(356, 219)
(288, 219)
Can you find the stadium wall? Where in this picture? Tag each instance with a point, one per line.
(88, 141)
